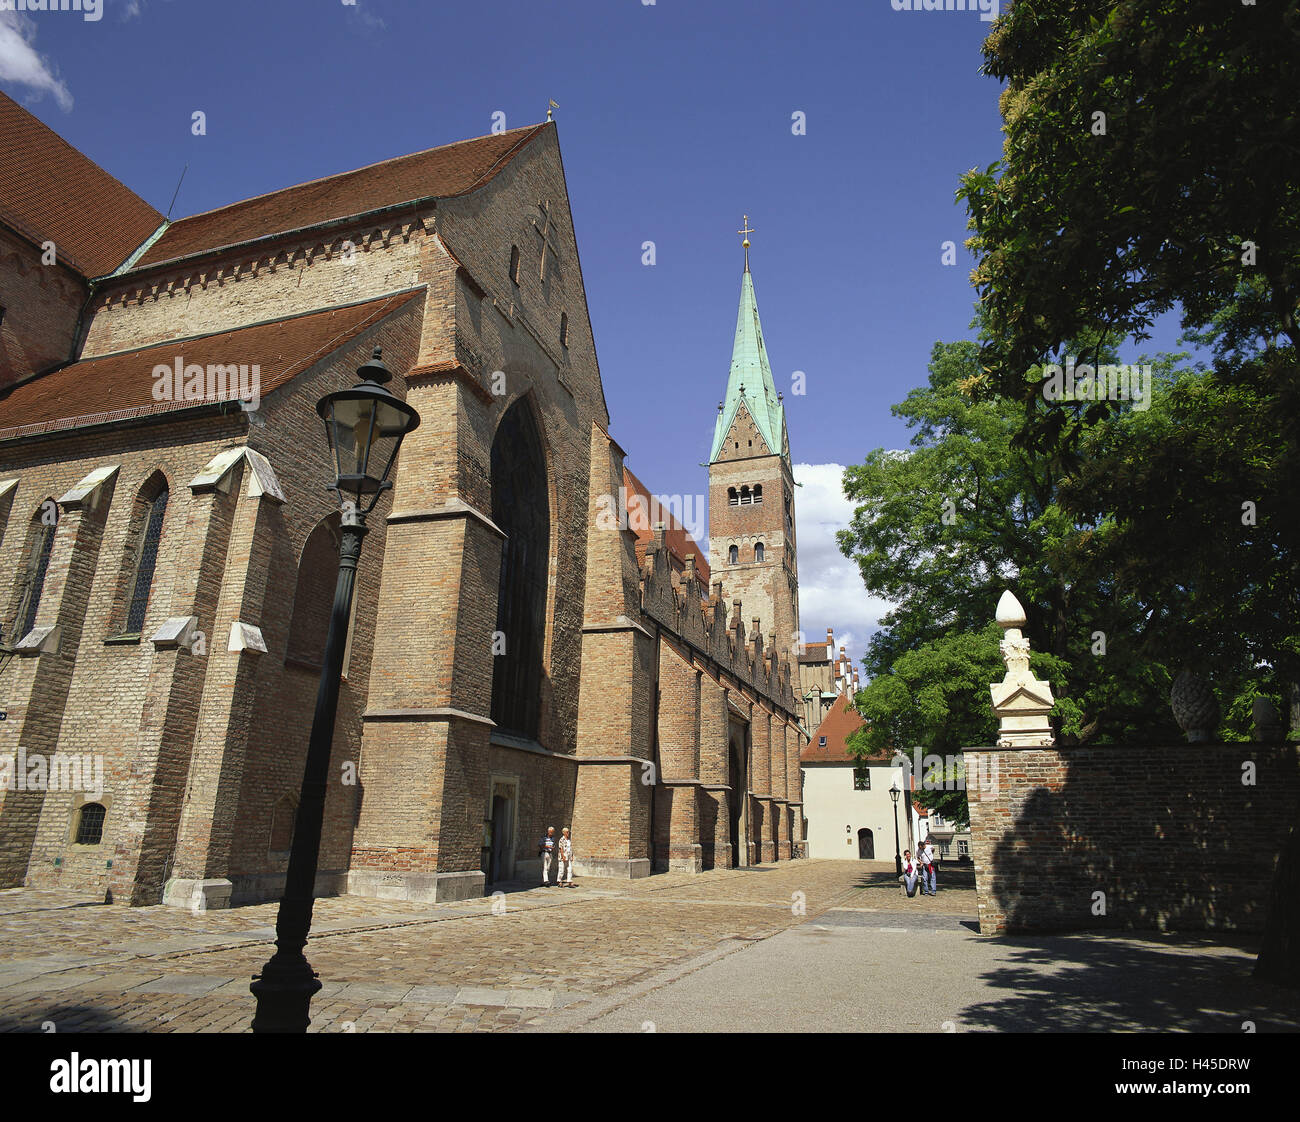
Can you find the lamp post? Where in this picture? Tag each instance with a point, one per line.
(894, 792)
(365, 427)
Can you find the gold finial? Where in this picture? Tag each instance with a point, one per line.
(552, 105)
(745, 234)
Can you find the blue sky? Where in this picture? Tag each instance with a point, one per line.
(675, 119)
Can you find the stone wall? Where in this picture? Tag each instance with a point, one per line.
(1116, 836)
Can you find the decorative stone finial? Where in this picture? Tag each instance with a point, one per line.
(1021, 701)
(1195, 707)
(1010, 613)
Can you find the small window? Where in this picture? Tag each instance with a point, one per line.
(821, 742)
(862, 779)
(758, 492)
(733, 555)
(963, 849)
(733, 499)
(90, 824)
(745, 497)
(564, 329)
(758, 552)
(514, 265)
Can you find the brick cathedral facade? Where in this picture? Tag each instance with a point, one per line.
(168, 555)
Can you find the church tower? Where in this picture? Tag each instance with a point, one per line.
(751, 485)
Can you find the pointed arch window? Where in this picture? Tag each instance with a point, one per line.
(521, 508)
(146, 534)
(564, 329)
(36, 563)
(733, 555)
(514, 265)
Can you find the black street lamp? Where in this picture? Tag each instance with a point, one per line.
(894, 792)
(365, 427)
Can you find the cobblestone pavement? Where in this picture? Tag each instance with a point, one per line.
(517, 960)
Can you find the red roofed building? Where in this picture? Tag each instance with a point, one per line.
(527, 645)
(847, 802)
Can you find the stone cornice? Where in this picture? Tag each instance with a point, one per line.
(453, 509)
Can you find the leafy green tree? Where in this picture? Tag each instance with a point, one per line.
(940, 530)
(1149, 163)
(964, 512)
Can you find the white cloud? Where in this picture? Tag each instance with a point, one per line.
(830, 586)
(21, 64)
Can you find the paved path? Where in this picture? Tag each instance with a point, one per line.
(830, 945)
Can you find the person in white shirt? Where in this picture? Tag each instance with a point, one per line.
(911, 871)
(566, 860)
(928, 885)
(546, 850)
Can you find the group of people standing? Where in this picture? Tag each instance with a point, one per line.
(919, 870)
(561, 849)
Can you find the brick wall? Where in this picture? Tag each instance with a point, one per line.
(1169, 836)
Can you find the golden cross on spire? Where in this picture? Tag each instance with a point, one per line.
(745, 234)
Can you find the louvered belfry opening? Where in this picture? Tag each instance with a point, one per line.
(521, 508)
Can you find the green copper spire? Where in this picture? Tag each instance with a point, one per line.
(750, 380)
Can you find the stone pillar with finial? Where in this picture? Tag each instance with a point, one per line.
(1021, 701)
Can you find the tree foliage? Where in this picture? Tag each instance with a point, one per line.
(1183, 193)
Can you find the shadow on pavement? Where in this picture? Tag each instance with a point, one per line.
(70, 1018)
(1119, 983)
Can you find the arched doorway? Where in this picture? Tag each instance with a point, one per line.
(521, 508)
(866, 845)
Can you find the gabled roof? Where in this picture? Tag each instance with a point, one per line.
(840, 722)
(453, 169)
(750, 379)
(50, 191)
(676, 536)
(120, 386)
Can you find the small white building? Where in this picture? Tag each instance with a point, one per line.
(848, 811)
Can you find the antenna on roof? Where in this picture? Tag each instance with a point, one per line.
(178, 189)
(552, 105)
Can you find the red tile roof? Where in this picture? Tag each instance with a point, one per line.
(49, 190)
(841, 719)
(453, 169)
(678, 540)
(120, 386)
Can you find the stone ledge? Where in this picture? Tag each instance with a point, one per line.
(455, 509)
(421, 888)
(441, 713)
(198, 895)
(628, 868)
